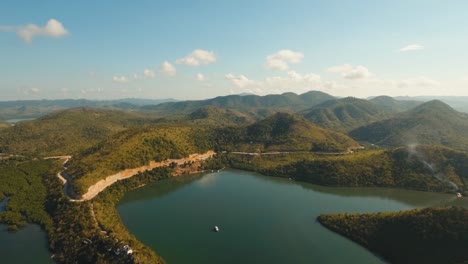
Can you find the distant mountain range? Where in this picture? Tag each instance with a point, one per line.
(38, 108)
(351, 112)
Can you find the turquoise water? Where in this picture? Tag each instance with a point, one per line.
(261, 219)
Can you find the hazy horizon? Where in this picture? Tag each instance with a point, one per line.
(197, 50)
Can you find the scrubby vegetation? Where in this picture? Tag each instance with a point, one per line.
(21, 183)
(381, 168)
(66, 132)
(133, 148)
(430, 235)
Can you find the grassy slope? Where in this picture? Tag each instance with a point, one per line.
(430, 235)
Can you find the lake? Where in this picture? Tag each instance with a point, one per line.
(28, 245)
(261, 219)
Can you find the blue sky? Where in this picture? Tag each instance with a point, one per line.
(202, 49)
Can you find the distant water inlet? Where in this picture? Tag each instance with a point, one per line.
(261, 219)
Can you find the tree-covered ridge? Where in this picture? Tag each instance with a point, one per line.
(217, 116)
(391, 104)
(424, 168)
(256, 106)
(433, 122)
(281, 132)
(430, 235)
(345, 114)
(133, 148)
(66, 132)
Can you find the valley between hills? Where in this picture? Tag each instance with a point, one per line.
(68, 169)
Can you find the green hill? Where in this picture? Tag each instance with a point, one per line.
(282, 132)
(345, 114)
(390, 104)
(430, 235)
(65, 132)
(215, 115)
(433, 122)
(133, 148)
(253, 105)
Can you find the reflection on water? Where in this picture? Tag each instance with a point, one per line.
(409, 197)
(262, 219)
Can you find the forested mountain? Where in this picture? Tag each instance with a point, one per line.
(429, 235)
(345, 114)
(253, 105)
(433, 122)
(391, 104)
(220, 116)
(282, 132)
(66, 132)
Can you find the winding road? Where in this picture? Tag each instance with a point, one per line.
(101, 185)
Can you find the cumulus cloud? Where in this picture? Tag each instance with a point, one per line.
(281, 59)
(290, 81)
(200, 77)
(148, 73)
(411, 47)
(198, 57)
(168, 69)
(351, 72)
(240, 81)
(120, 79)
(53, 28)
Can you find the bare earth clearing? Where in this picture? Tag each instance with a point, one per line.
(111, 179)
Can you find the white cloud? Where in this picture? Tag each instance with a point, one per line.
(240, 81)
(411, 47)
(120, 79)
(148, 73)
(168, 69)
(200, 77)
(198, 57)
(291, 81)
(348, 71)
(281, 59)
(26, 90)
(53, 28)
(420, 81)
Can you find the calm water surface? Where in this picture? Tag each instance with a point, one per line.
(27, 246)
(261, 219)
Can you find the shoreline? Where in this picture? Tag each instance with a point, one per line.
(102, 184)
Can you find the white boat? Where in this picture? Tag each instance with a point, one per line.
(216, 228)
